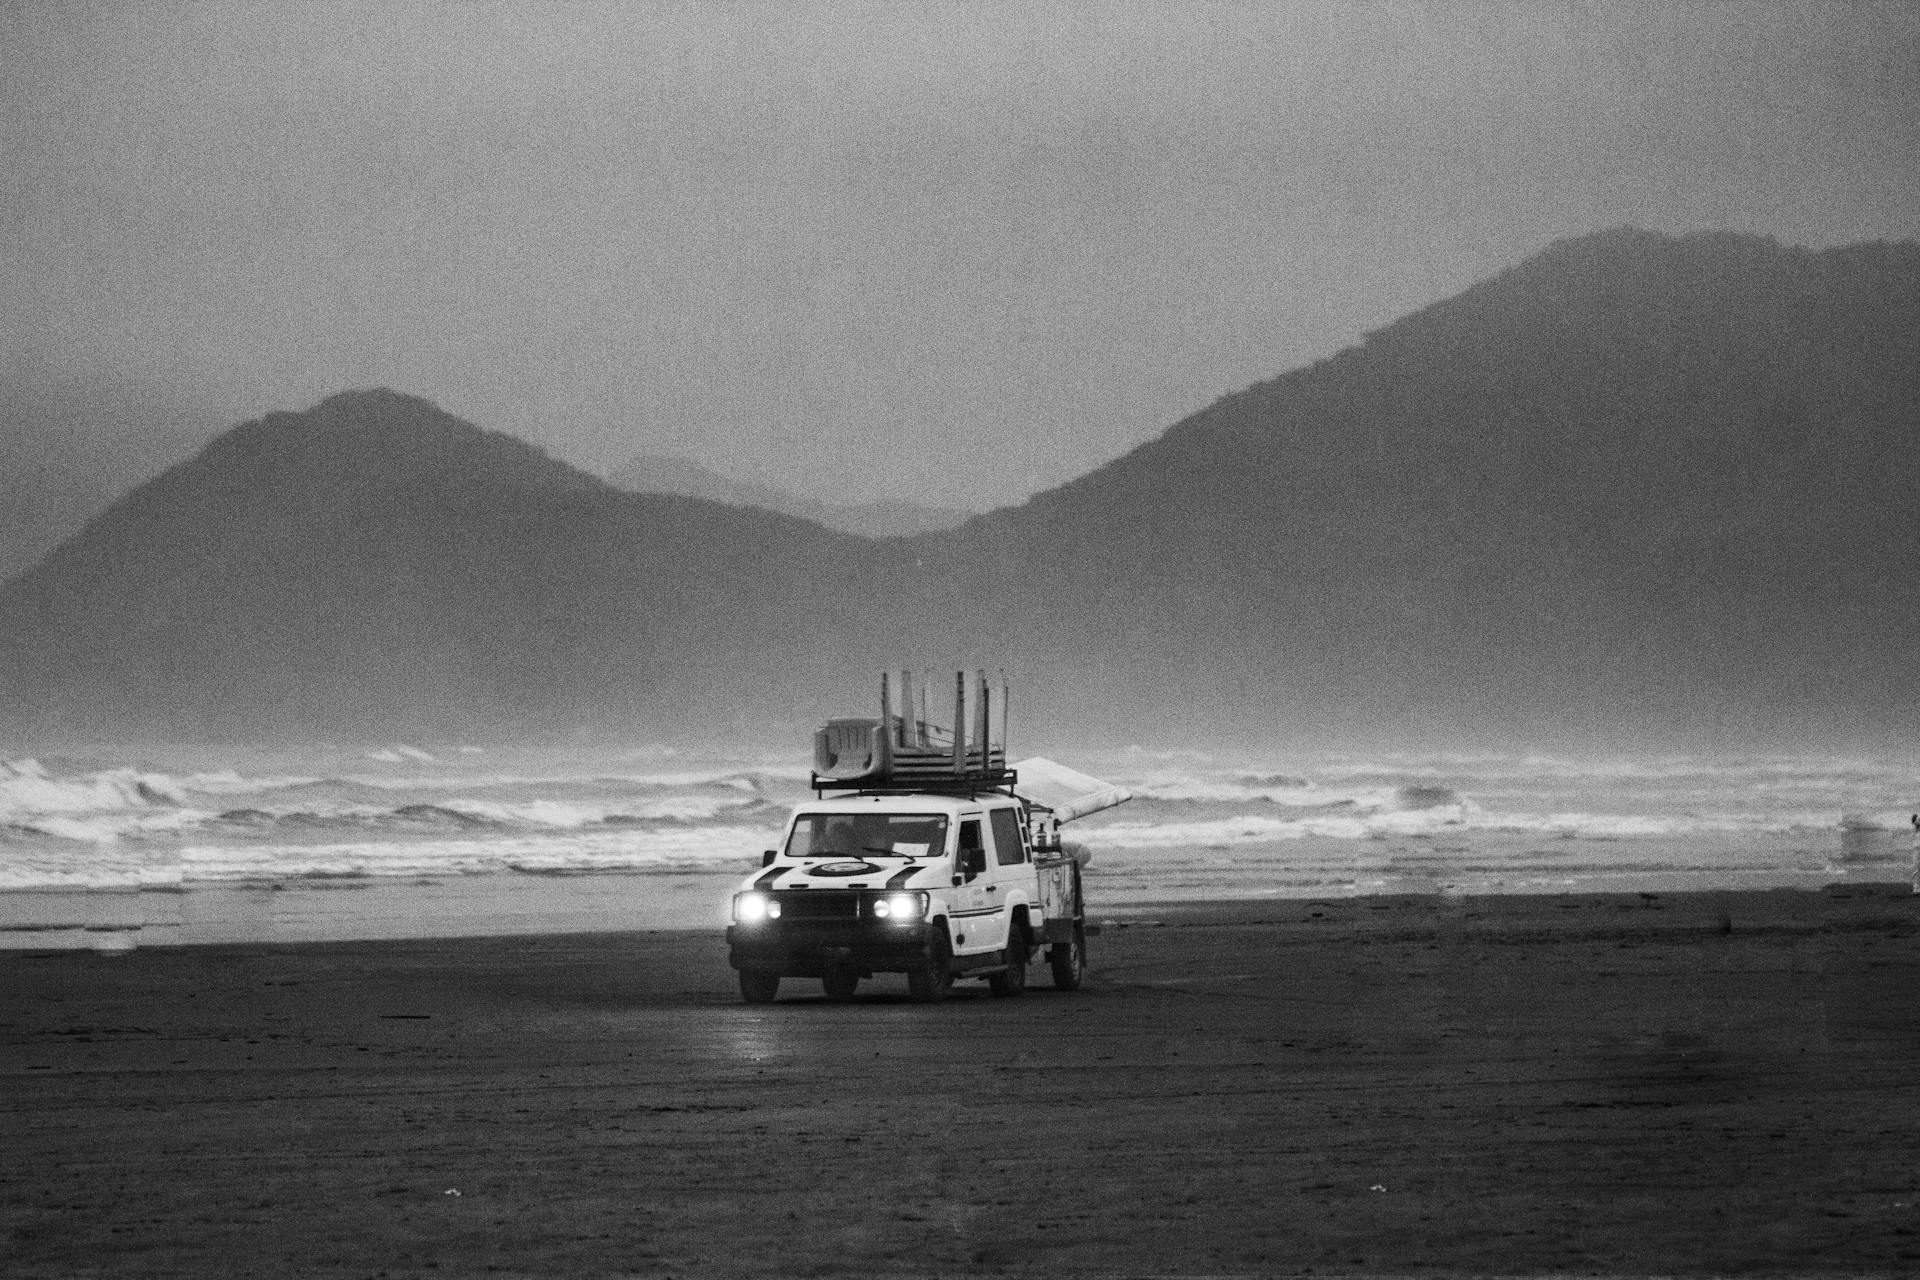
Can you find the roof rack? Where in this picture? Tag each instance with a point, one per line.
(1001, 783)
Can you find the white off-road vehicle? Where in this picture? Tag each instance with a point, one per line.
(920, 856)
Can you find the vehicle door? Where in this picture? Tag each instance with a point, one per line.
(976, 899)
(1012, 868)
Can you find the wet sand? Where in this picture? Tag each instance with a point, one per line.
(1617, 1084)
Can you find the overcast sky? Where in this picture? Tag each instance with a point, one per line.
(958, 253)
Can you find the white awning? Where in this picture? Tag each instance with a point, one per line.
(1068, 792)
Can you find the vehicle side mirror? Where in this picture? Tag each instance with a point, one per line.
(766, 859)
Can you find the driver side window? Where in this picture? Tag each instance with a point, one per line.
(973, 854)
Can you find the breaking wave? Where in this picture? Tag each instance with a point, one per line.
(1231, 825)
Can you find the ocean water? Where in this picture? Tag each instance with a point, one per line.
(105, 844)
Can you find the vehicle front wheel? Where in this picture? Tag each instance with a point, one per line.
(758, 986)
(1013, 980)
(931, 977)
(1069, 961)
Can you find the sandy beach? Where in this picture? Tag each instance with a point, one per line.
(1642, 1084)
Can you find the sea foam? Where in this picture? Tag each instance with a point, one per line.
(1243, 825)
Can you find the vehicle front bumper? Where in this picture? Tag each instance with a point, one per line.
(811, 948)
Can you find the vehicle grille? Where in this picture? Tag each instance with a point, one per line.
(819, 904)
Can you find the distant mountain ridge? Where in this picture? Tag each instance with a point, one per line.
(376, 562)
(652, 473)
(1633, 472)
(1642, 487)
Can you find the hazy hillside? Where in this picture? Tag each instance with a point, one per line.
(1636, 488)
(649, 473)
(46, 494)
(67, 451)
(376, 565)
(1635, 479)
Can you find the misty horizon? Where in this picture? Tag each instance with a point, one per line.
(835, 246)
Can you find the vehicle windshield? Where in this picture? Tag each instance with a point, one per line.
(900, 835)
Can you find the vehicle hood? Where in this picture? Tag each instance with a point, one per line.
(851, 873)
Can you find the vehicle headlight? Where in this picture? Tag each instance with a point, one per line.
(901, 906)
(751, 907)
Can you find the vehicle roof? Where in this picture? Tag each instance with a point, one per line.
(916, 802)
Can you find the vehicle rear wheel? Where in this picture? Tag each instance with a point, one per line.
(757, 986)
(839, 984)
(1069, 960)
(1013, 979)
(931, 977)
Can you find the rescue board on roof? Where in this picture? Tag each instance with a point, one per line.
(1067, 793)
